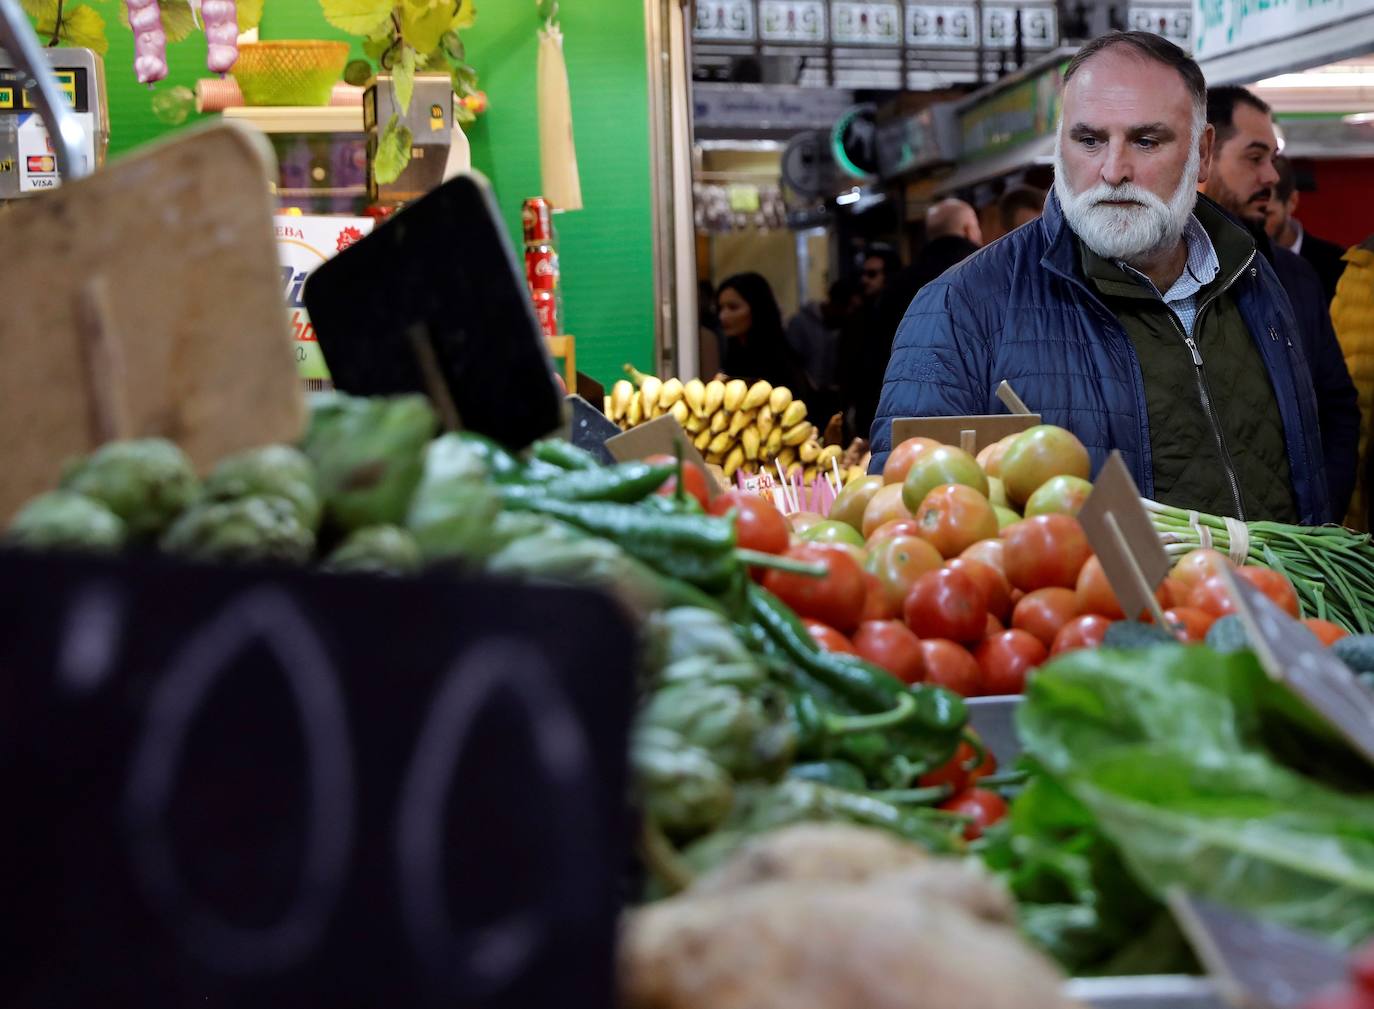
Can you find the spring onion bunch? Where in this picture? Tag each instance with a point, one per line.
(1331, 567)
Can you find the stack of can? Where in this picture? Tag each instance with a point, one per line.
(541, 264)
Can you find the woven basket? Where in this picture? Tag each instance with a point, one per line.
(295, 72)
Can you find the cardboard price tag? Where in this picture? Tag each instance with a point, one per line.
(1124, 539)
(285, 788)
(1256, 963)
(661, 436)
(1293, 657)
(972, 434)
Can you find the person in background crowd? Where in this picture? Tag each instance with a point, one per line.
(814, 335)
(1287, 231)
(864, 343)
(1019, 205)
(1352, 312)
(709, 338)
(879, 266)
(754, 345)
(1243, 180)
(1134, 312)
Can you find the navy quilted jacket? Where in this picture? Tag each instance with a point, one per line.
(1020, 310)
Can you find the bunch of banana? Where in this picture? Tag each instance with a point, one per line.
(735, 425)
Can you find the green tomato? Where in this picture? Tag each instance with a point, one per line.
(1005, 517)
(1059, 495)
(830, 531)
(941, 465)
(997, 493)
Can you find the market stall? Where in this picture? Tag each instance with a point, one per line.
(410, 695)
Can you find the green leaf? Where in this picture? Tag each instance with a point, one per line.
(358, 73)
(40, 9)
(178, 20)
(464, 80)
(423, 22)
(463, 115)
(403, 79)
(393, 152)
(82, 26)
(376, 46)
(466, 16)
(357, 17)
(453, 46)
(249, 14)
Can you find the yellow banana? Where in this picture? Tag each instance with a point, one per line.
(749, 438)
(787, 457)
(829, 452)
(695, 393)
(795, 469)
(670, 393)
(733, 461)
(635, 412)
(798, 433)
(794, 414)
(678, 410)
(695, 424)
(764, 420)
(714, 459)
(780, 399)
(636, 376)
(809, 450)
(649, 391)
(715, 395)
(774, 443)
(854, 473)
(702, 440)
(735, 390)
(621, 394)
(758, 395)
(720, 443)
(739, 421)
(606, 406)
(809, 474)
(720, 420)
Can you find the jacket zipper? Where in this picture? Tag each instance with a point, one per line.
(1204, 391)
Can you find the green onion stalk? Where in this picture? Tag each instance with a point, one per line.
(1331, 567)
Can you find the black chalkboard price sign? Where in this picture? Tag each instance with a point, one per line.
(271, 789)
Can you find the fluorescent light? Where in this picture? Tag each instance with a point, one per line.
(1334, 79)
(845, 199)
(1359, 119)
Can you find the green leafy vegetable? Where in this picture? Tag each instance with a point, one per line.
(403, 79)
(393, 152)
(423, 22)
(357, 17)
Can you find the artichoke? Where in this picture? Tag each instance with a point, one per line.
(63, 520)
(749, 734)
(454, 507)
(270, 471)
(683, 791)
(385, 550)
(147, 483)
(368, 455)
(249, 529)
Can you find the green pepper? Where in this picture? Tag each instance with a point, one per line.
(563, 454)
(626, 483)
(835, 773)
(502, 466)
(748, 734)
(671, 504)
(683, 790)
(636, 527)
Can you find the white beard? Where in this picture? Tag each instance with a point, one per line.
(1127, 233)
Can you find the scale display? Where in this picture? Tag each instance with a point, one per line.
(28, 163)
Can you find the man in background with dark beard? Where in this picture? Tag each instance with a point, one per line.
(1134, 313)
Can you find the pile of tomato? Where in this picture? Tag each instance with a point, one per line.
(970, 572)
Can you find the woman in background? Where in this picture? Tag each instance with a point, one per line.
(754, 346)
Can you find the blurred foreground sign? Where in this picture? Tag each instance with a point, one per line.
(272, 789)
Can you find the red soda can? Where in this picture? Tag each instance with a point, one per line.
(541, 268)
(546, 309)
(538, 219)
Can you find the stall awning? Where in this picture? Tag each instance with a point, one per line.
(1239, 41)
(1035, 152)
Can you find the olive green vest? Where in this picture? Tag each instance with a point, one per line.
(1213, 420)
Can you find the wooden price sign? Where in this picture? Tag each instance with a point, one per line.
(1124, 539)
(972, 434)
(230, 787)
(1293, 657)
(662, 435)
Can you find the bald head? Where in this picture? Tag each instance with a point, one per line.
(953, 217)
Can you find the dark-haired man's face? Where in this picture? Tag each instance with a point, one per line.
(873, 277)
(1243, 174)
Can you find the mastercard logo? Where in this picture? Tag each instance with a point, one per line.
(42, 164)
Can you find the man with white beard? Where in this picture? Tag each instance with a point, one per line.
(1133, 312)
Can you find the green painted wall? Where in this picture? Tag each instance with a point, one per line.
(606, 249)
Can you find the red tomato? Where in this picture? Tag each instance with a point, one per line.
(888, 643)
(1080, 632)
(899, 561)
(985, 806)
(1173, 592)
(994, 626)
(901, 457)
(884, 506)
(1327, 632)
(949, 665)
(837, 599)
(953, 518)
(1045, 551)
(990, 552)
(1095, 593)
(960, 770)
(946, 604)
(1006, 658)
(758, 525)
(895, 527)
(1196, 567)
(694, 482)
(1044, 611)
(1189, 624)
(1274, 585)
(877, 606)
(828, 638)
(994, 584)
(1212, 597)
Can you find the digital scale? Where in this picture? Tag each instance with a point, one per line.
(28, 163)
